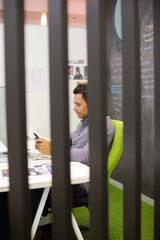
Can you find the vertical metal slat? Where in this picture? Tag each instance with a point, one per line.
(16, 119)
(132, 120)
(156, 9)
(61, 194)
(96, 26)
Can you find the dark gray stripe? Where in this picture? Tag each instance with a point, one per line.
(96, 28)
(156, 10)
(16, 119)
(61, 195)
(132, 142)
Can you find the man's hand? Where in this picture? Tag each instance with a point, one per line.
(43, 146)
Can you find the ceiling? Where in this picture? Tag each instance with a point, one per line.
(33, 8)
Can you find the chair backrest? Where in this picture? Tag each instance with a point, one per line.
(117, 146)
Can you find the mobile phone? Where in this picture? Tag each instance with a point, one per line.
(36, 136)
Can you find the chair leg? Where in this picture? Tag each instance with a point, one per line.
(84, 228)
(76, 228)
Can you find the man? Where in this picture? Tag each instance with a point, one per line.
(78, 75)
(79, 139)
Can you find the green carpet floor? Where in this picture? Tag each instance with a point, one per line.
(116, 217)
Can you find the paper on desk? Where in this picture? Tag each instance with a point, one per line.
(38, 170)
(34, 172)
(4, 158)
(79, 170)
(38, 173)
(4, 177)
(3, 148)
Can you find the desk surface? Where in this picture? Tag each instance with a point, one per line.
(39, 172)
(3, 148)
(40, 177)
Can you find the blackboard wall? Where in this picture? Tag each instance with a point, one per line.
(115, 87)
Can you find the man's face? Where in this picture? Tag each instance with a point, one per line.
(80, 106)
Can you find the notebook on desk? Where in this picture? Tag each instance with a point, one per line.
(35, 155)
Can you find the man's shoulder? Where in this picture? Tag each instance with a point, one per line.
(108, 118)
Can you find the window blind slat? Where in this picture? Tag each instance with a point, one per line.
(16, 119)
(96, 28)
(156, 8)
(132, 120)
(61, 194)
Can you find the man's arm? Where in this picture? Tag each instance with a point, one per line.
(80, 154)
(76, 154)
(110, 129)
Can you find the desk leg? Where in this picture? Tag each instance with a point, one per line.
(39, 211)
(76, 228)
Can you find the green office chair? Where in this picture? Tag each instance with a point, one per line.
(117, 147)
(113, 158)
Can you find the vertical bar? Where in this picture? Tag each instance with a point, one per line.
(96, 21)
(16, 119)
(156, 9)
(61, 194)
(132, 119)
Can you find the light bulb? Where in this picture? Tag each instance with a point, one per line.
(44, 18)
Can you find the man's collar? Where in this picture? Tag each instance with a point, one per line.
(84, 121)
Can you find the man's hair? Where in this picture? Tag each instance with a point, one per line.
(82, 88)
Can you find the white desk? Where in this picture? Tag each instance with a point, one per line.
(3, 148)
(79, 174)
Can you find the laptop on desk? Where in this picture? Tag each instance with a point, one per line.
(33, 154)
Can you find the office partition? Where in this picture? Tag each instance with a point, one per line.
(61, 192)
(19, 207)
(156, 7)
(97, 111)
(132, 119)
(129, 92)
